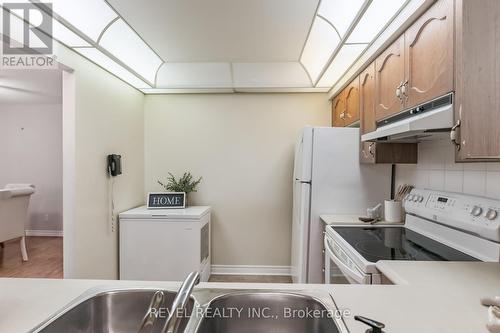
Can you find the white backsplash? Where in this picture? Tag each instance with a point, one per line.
(437, 170)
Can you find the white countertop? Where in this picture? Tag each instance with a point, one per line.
(191, 212)
(436, 297)
(342, 220)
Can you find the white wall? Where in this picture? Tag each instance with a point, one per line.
(242, 145)
(31, 152)
(109, 119)
(437, 170)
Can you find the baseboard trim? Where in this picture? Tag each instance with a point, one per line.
(44, 233)
(250, 270)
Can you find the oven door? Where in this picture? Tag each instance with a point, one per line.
(335, 257)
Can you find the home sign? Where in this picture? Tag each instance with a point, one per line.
(165, 200)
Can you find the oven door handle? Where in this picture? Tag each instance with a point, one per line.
(356, 276)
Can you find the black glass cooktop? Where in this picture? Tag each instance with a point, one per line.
(398, 243)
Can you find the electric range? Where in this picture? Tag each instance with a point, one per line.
(439, 226)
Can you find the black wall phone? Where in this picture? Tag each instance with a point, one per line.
(114, 165)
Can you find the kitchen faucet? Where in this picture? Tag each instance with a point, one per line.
(149, 319)
(180, 302)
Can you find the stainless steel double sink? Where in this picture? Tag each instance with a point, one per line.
(208, 311)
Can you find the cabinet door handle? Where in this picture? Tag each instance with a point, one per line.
(398, 92)
(454, 135)
(342, 115)
(370, 149)
(404, 89)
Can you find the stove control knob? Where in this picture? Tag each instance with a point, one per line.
(491, 214)
(420, 199)
(416, 198)
(476, 211)
(410, 197)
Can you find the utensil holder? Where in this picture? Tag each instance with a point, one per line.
(393, 211)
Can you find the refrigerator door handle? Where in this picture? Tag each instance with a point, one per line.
(303, 181)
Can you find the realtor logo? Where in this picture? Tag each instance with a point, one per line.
(27, 45)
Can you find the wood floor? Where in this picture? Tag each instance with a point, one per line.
(251, 278)
(45, 258)
(46, 261)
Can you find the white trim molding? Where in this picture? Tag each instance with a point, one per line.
(250, 270)
(44, 233)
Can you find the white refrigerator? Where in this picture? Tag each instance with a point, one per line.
(329, 179)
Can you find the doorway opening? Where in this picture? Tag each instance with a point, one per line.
(31, 147)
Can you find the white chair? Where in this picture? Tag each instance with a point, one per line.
(14, 203)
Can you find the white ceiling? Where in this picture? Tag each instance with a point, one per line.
(233, 45)
(221, 30)
(20, 87)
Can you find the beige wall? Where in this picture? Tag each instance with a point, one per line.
(31, 152)
(242, 145)
(109, 119)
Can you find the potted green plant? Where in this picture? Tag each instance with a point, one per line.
(183, 184)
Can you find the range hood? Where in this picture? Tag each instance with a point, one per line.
(426, 122)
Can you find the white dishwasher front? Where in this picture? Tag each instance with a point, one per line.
(165, 244)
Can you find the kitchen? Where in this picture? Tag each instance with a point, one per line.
(405, 88)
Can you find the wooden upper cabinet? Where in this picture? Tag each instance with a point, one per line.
(338, 111)
(345, 106)
(429, 55)
(351, 96)
(367, 110)
(367, 99)
(389, 77)
(477, 66)
(371, 152)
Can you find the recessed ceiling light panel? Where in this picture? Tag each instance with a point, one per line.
(340, 13)
(346, 56)
(376, 17)
(322, 42)
(107, 63)
(88, 16)
(66, 36)
(124, 43)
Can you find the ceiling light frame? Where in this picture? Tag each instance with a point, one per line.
(344, 40)
(379, 33)
(313, 82)
(309, 33)
(96, 45)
